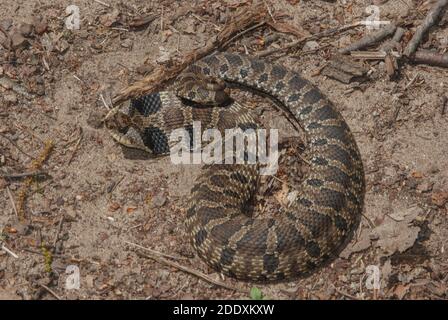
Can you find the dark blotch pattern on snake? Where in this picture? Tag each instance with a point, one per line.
(312, 230)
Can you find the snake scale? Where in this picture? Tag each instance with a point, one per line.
(305, 235)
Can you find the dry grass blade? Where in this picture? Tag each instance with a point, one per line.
(196, 273)
(155, 252)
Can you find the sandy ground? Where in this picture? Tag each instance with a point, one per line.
(51, 84)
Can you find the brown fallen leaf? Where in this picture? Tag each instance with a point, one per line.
(282, 195)
(439, 198)
(108, 20)
(131, 209)
(361, 244)
(285, 27)
(142, 21)
(114, 206)
(417, 174)
(400, 291)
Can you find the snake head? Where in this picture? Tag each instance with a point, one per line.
(124, 130)
(117, 121)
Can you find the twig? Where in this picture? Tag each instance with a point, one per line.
(411, 82)
(391, 44)
(76, 146)
(368, 55)
(243, 20)
(11, 198)
(155, 252)
(322, 34)
(431, 18)
(444, 105)
(56, 237)
(344, 293)
(104, 102)
(193, 272)
(243, 32)
(9, 251)
(102, 3)
(51, 291)
(269, 11)
(431, 58)
(22, 175)
(15, 145)
(369, 39)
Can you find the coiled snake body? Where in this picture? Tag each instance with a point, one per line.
(312, 230)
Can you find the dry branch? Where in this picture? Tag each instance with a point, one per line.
(243, 20)
(430, 20)
(431, 58)
(394, 42)
(319, 35)
(370, 39)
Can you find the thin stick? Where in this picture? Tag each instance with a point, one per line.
(412, 81)
(444, 105)
(193, 272)
(244, 32)
(155, 252)
(51, 292)
(269, 11)
(18, 148)
(431, 18)
(11, 198)
(322, 34)
(102, 3)
(9, 252)
(104, 102)
(369, 39)
(56, 237)
(344, 293)
(22, 175)
(76, 146)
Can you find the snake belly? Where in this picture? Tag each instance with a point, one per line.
(317, 225)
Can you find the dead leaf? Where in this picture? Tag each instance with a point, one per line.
(361, 244)
(110, 19)
(399, 215)
(114, 206)
(142, 21)
(400, 291)
(282, 195)
(288, 28)
(189, 29)
(439, 198)
(417, 174)
(131, 209)
(396, 236)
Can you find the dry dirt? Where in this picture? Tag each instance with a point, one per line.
(54, 79)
